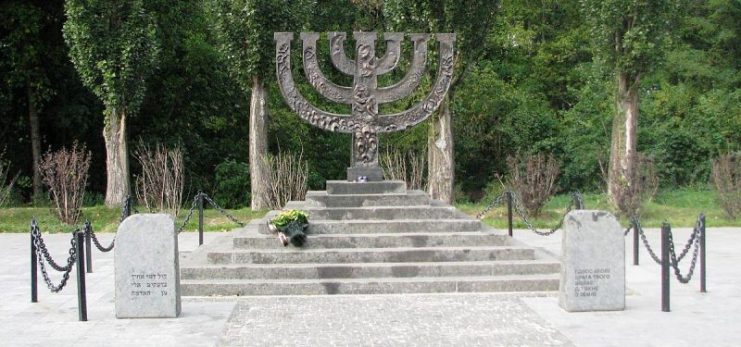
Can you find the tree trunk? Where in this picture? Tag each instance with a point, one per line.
(623, 154)
(440, 154)
(33, 119)
(117, 158)
(258, 145)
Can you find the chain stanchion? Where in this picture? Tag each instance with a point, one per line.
(34, 271)
(703, 288)
(81, 294)
(88, 247)
(200, 217)
(665, 240)
(636, 235)
(509, 213)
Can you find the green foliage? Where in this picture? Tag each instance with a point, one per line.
(629, 34)
(245, 29)
(286, 217)
(114, 46)
(232, 184)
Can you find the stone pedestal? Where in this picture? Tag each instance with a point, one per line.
(146, 267)
(372, 173)
(593, 264)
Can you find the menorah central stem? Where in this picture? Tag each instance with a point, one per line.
(364, 160)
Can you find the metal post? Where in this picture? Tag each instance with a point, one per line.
(88, 247)
(34, 279)
(635, 242)
(509, 212)
(200, 218)
(703, 288)
(81, 295)
(665, 230)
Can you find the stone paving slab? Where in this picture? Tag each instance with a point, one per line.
(697, 319)
(389, 320)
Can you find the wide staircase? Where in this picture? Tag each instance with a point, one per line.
(369, 238)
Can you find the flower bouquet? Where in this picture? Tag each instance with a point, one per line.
(290, 226)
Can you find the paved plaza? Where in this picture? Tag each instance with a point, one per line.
(476, 319)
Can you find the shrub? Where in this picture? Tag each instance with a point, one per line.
(232, 184)
(65, 172)
(533, 178)
(160, 185)
(643, 187)
(727, 179)
(410, 167)
(285, 178)
(5, 188)
(649, 177)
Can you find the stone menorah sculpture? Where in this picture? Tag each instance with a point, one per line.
(364, 123)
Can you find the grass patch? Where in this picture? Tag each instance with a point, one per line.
(103, 219)
(680, 207)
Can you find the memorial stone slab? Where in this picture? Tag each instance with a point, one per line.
(593, 264)
(146, 267)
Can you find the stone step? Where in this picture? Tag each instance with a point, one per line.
(377, 240)
(370, 270)
(365, 226)
(507, 283)
(385, 213)
(322, 199)
(378, 187)
(371, 255)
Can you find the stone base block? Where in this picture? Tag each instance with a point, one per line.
(371, 173)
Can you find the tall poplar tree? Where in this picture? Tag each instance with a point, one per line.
(471, 21)
(114, 47)
(245, 29)
(629, 36)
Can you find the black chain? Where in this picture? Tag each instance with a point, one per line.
(637, 223)
(42, 254)
(627, 230)
(520, 209)
(675, 260)
(89, 230)
(190, 212)
(496, 202)
(222, 211)
(40, 245)
(695, 234)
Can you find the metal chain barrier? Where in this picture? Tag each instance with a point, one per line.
(520, 209)
(190, 212)
(43, 254)
(695, 235)
(675, 260)
(41, 246)
(496, 202)
(222, 211)
(635, 221)
(89, 230)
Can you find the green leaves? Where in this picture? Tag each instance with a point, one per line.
(630, 34)
(245, 30)
(114, 47)
(286, 217)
